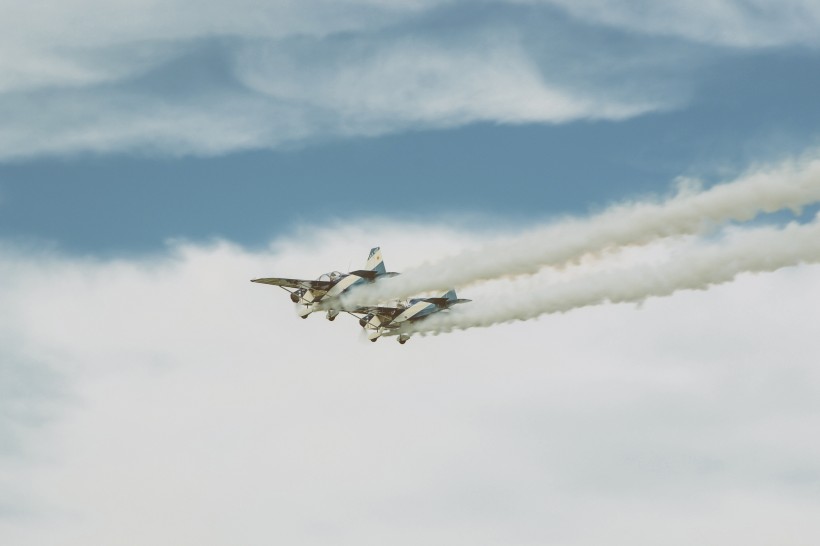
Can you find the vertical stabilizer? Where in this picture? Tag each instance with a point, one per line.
(375, 261)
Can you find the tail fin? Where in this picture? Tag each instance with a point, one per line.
(375, 261)
(451, 295)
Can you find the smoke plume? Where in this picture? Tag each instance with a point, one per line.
(789, 186)
(698, 265)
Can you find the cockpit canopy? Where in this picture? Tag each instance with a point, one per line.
(332, 276)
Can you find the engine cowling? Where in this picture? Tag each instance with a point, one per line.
(297, 295)
(364, 320)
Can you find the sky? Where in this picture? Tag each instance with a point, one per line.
(638, 364)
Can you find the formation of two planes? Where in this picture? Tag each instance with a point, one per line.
(380, 320)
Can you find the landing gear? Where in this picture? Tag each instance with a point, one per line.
(304, 311)
(403, 338)
(374, 340)
(402, 341)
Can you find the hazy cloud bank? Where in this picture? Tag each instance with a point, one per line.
(197, 407)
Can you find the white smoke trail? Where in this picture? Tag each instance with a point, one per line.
(790, 185)
(697, 267)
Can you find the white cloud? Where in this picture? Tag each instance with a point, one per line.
(408, 83)
(738, 23)
(195, 407)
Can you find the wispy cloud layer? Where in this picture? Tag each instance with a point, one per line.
(412, 82)
(737, 23)
(180, 78)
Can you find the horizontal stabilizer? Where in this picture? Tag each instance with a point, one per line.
(445, 302)
(365, 274)
(371, 275)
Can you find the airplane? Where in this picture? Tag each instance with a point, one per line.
(385, 320)
(328, 286)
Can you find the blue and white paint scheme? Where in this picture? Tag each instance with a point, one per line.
(387, 320)
(307, 294)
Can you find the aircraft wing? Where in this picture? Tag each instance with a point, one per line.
(296, 283)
